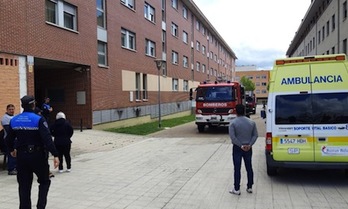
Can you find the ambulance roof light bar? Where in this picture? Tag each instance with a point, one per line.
(311, 59)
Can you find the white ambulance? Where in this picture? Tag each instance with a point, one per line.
(307, 113)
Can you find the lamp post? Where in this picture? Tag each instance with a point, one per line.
(159, 64)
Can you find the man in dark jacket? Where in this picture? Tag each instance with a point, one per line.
(62, 132)
(33, 141)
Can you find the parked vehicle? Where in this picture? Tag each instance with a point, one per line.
(216, 102)
(250, 104)
(307, 114)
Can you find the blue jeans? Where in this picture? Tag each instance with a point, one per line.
(237, 156)
(11, 162)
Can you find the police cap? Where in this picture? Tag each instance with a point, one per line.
(26, 100)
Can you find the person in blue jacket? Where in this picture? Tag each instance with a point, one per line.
(33, 140)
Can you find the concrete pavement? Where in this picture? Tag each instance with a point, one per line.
(177, 173)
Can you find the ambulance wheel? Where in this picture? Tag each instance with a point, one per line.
(201, 128)
(271, 171)
(254, 112)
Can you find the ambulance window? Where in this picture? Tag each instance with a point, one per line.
(325, 108)
(293, 109)
(330, 108)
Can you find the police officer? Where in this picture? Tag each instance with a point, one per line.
(33, 142)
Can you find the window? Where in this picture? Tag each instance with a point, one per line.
(344, 48)
(149, 12)
(211, 55)
(101, 13)
(333, 50)
(257, 84)
(128, 39)
(145, 94)
(150, 48)
(198, 25)
(174, 29)
(102, 53)
(216, 94)
(185, 61)
(174, 57)
(323, 31)
(203, 68)
(175, 4)
(185, 85)
(175, 84)
(185, 37)
(137, 87)
(198, 46)
(327, 28)
(184, 12)
(333, 23)
(203, 49)
(319, 37)
(324, 108)
(128, 3)
(198, 66)
(61, 13)
(313, 42)
(344, 8)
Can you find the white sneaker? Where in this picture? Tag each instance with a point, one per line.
(249, 190)
(68, 170)
(236, 192)
(60, 171)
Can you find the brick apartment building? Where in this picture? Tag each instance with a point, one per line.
(95, 59)
(259, 77)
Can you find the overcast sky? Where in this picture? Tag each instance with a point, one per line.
(258, 31)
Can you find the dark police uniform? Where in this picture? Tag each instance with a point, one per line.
(33, 139)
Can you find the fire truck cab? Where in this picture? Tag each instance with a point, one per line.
(216, 102)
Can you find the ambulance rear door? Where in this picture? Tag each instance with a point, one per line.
(292, 132)
(330, 111)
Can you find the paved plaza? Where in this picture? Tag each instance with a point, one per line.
(125, 171)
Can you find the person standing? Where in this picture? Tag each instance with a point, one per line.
(5, 122)
(243, 134)
(33, 141)
(46, 109)
(62, 132)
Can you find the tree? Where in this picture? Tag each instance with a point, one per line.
(247, 83)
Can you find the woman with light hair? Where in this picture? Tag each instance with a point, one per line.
(62, 132)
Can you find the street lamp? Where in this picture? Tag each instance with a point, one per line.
(159, 64)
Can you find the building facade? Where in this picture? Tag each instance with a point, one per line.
(259, 77)
(323, 30)
(95, 59)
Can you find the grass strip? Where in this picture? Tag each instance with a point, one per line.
(152, 127)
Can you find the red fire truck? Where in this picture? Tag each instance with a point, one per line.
(250, 103)
(216, 102)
